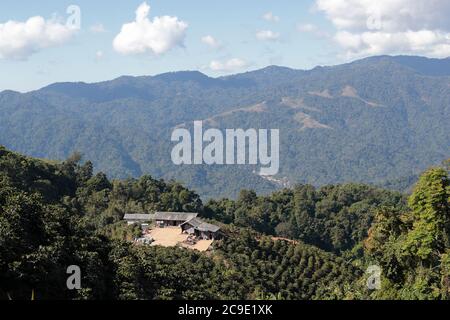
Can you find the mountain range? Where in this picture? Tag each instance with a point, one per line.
(375, 120)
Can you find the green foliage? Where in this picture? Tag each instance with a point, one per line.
(430, 204)
(57, 214)
(334, 218)
(265, 267)
(413, 246)
(394, 127)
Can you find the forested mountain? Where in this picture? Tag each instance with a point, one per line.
(54, 214)
(374, 120)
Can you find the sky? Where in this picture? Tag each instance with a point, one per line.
(42, 42)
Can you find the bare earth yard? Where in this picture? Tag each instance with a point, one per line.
(201, 245)
(172, 236)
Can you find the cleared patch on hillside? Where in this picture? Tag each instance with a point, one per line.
(167, 237)
(172, 237)
(308, 122)
(257, 108)
(201, 245)
(297, 103)
(351, 92)
(324, 94)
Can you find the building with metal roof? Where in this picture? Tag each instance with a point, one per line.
(166, 219)
(200, 229)
(133, 218)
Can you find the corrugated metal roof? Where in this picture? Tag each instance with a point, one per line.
(138, 217)
(175, 216)
(202, 226)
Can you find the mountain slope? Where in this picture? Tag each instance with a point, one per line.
(373, 120)
(54, 213)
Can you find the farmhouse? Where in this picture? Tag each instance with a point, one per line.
(173, 219)
(200, 229)
(142, 219)
(132, 218)
(175, 228)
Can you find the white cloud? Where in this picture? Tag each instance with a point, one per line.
(365, 27)
(99, 55)
(267, 35)
(211, 41)
(98, 28)
(228, 65)
(143, 35)
(269, 16)
(19, 40)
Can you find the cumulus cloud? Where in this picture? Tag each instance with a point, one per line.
(269, 16)
(267, 35)
(228, 65)
(366, 27)
(144, 35)
(211, 41)
(19, 40)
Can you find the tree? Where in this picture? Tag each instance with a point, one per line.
(430, 205)
(413, 246)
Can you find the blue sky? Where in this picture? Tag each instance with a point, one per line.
(298, 34)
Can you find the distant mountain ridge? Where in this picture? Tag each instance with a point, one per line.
(373, 120)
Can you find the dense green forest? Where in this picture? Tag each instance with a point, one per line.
(298, 243)
(380, 120)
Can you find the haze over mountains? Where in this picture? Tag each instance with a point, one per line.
(373, 120)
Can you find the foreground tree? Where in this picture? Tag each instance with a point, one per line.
(413, 247)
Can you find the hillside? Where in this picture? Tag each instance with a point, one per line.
(374, 120)
(56, 214)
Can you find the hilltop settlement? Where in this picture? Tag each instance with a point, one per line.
(170, 229)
